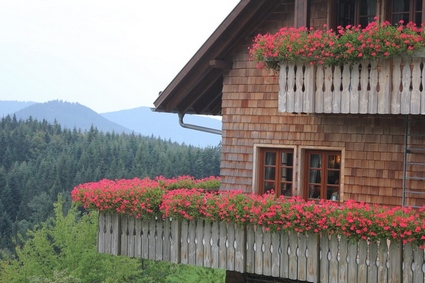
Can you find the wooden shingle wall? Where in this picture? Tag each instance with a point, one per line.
(373, 144)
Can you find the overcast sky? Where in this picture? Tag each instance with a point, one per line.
(108, 55)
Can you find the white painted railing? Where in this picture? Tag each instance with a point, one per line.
(250, 249)
(385, 86)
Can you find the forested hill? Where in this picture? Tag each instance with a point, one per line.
(38, 160)
(140, 120)
(70, 115)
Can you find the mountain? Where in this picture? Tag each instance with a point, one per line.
(166, 126)
(69, 115)
(141, 120)
(10, 107)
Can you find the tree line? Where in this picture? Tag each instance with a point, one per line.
(39, 160)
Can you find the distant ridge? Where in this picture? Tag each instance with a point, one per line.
(166, 126)
(69, 115)
(140, 120)
(10, 107)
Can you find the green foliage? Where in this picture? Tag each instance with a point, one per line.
(63, 250)
(39, 160)
(166, 272)
(65, 246)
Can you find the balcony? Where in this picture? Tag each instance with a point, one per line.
(385, 86)
(251, 249)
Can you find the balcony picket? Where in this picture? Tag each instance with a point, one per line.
(383, 86)
(252, 249)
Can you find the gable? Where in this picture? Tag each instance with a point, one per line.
(197, 88)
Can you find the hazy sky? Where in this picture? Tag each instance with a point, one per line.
(106, 54)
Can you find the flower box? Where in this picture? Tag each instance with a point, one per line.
(252, 249)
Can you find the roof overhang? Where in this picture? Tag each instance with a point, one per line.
(197, 88)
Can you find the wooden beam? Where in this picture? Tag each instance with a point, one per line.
(301, 18)
(220, 64)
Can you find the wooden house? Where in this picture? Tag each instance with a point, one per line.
(310, 133)
(335, 133)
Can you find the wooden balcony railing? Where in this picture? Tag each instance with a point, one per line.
(250, 249)
(385, 86)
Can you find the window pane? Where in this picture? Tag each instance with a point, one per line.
(315, 161)
(269, 173)
(333, 177)
(315, 177)
(268, 186)
(334, 161)
(270, 158)
(286, 174)
(367, 12)
(345, 12)
(401, 10)
(401, 6)
(314, 191)
(287, 159)
(332, 193)
(286, 190)
(418, 12)
(418, 19)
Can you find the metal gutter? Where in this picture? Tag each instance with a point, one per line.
(196, 127)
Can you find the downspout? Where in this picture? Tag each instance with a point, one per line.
(196, 127)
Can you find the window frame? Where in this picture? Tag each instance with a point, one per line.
(334, 8)
(412, 12)
(259, 173)
(324, 169)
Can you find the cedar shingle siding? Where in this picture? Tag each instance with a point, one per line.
(373, 145)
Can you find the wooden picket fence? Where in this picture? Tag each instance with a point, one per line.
(251, 249)
(385, 86)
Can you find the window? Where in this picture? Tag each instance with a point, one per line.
(406, 10)
(276, 171)
(322, 174)
(355, 12)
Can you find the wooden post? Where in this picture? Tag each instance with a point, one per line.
(372, 273)
(159, 238)
(343, 254)
(101, 233)
(175, 247)
(284, 257)
(258, 255)
(354, 92)
(144, 238)
(301, 17)
(293, 259)
(352, 263)
(191, 240)
(199, 242)
(207, 244)
(167, 240)
(152, 239)
(275, 257)
(324, 260)
(395, 258)
(382, 259)
(418, 258)
(138, 239)
(249, 263)
(267, 255)
(215, 245)
(184, 242)
(124, 235)
(240, 249)
(407, 263)
(131, 236)
(302, 257)
(333, 259)
(222, 250)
